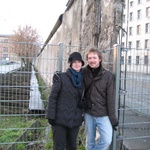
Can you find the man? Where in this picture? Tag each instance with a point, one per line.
(100, 91)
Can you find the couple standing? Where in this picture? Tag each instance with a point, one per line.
(64, 113)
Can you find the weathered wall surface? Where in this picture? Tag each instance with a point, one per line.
(89, 23)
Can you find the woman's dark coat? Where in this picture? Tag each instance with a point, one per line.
(63, 101)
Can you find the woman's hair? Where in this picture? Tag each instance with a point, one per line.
(94, 50)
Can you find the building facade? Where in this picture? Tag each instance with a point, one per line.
(135, 34)
(6, 49)
(136, 24)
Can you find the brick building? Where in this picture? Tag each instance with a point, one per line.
(6, 48)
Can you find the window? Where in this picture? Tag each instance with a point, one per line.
(5, 40)
(123, 44)
(145, 60)
(137, 44)
(131, 4)
(5, 49)
(129, 59)
(5, 56)
(130, 31)
(139, 1)
(139, 14)
(147, 28)
(131, 16)
(148, 12)
(146, 44)
(124, 6)
(138, 30)
(130, 45)
(137, 60)
(124, 18)
(122, 59)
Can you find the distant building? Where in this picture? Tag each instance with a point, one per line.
(6, 48)
(135, 35)
(136, 22)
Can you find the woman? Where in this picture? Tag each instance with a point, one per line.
(63, 114)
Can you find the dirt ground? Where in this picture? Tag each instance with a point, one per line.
(14, 92)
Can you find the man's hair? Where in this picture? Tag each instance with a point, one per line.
(94, 50)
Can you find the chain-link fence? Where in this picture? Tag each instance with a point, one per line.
(25, 82)
(134, 99)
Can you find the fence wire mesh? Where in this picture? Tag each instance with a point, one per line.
(134, 99)
(22, 98)
(25, 82)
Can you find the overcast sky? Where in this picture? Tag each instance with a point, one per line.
(40, 14)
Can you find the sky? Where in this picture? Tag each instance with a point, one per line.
(39, 14)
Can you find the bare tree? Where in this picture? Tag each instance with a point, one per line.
(25, 44)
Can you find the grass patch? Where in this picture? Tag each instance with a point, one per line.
(49, 144)
(10, 125)
(13, 127)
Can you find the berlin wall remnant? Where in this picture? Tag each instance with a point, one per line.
(87, 23)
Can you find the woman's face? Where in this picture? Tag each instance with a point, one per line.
(76, 65)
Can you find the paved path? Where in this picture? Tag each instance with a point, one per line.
(35, 101)
(136, 131)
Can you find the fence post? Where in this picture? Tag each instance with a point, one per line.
(116, 71)
(60, 56)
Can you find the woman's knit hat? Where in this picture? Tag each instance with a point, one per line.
(75, 56)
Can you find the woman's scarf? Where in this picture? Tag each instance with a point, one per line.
(76, 78)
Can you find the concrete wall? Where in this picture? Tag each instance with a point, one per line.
(90, 23)
(87, 23)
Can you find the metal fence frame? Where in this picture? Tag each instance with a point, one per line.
(54, 57)
(133, 94)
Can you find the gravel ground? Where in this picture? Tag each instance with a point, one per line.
(135, 112)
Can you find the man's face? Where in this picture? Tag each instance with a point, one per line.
(93, 60)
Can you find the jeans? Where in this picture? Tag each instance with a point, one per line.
(104, 128)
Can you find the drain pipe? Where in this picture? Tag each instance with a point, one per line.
(69, 4)
(57, 25)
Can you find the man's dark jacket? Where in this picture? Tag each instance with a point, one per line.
(101, 93)
(63, 101)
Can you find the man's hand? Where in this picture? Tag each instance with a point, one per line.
(115, 127)
(56, 76)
